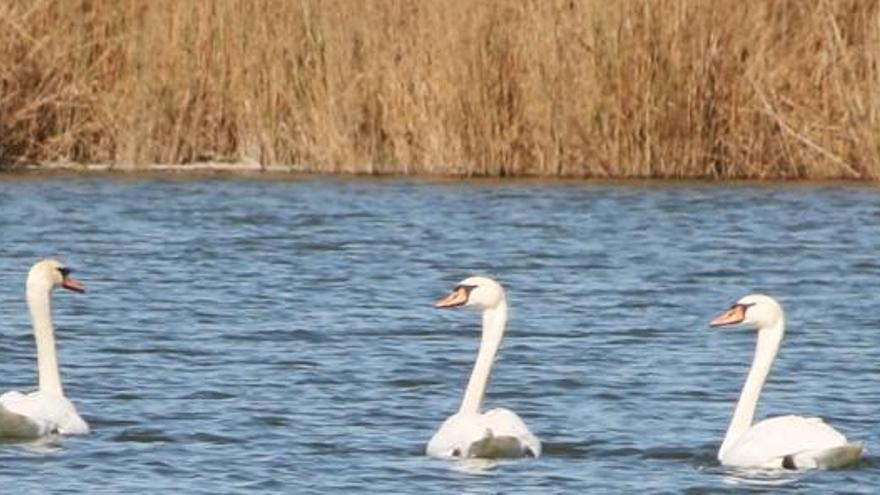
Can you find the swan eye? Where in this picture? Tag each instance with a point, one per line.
(742, 305)
(65, 272)
(466, 288)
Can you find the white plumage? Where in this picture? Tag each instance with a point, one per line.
(469, 432)
(46, 411)
(789, 442)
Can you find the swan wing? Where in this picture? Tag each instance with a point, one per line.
(58, 411)
(505, 423)
(455, 436)
(72, 424)
(499, 433)
(832, 458)
(784, 442)
(38, 414)
(15, 423)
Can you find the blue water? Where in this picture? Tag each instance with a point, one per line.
(246, 336)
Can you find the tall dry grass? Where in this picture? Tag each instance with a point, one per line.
(631, 88)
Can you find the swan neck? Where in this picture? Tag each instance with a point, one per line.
(40, 306)
(769, 340)
(494, 322)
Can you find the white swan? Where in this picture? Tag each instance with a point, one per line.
(789, 442)
(470, 433)
(47, 410)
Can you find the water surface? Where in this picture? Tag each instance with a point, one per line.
(253, 336)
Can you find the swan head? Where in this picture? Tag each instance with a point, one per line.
(49, 274)
(754, 311)
(479, 292)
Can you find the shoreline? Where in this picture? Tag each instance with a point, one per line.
(255, 171)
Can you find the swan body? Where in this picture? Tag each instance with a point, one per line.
(784, 442)
(38, 414)
(497, 433)
(809, 443)
(46, 411)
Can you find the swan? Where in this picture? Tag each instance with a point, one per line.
(469, 433)
(783, 442)
(46, 411)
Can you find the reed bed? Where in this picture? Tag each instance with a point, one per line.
(722, 89)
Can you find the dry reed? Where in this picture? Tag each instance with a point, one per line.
(776, 89)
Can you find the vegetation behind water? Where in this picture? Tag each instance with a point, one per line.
(660, 88)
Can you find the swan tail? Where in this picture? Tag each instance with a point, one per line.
(499, 447)
(16, 426)
(833, 458)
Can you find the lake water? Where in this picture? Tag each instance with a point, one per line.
(245, 336)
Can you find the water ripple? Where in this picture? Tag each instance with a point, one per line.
(256, 336)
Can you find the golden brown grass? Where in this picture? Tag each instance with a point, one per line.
(593, 88)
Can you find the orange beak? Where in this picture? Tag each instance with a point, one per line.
(456, 298)
(732, 316)
(73, 284)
